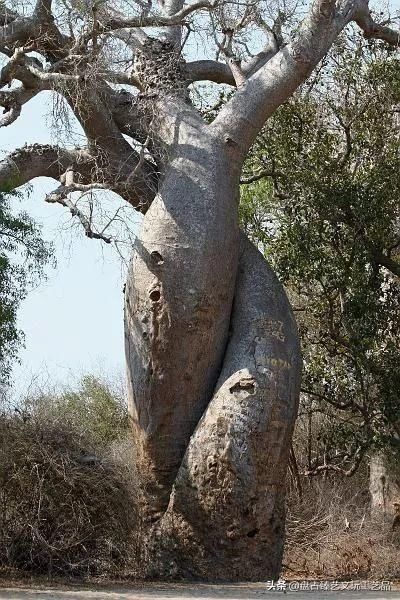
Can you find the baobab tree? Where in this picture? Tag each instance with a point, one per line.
(211, 346)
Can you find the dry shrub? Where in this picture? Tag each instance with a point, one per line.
(330, 533)
(66, 506)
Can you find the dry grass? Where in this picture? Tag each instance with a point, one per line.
(331, 535)
(67, 506)
(69, 500)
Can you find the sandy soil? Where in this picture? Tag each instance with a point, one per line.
(35, 591)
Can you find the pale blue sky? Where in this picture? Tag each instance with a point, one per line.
(73, 322)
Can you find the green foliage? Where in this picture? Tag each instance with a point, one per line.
(95, 409)
(23, 255)
(328, 217)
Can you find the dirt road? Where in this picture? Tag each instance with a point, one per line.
(187, 592)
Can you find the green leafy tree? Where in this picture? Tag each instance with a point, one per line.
(321, 199)
(96, 408)
(23, 255)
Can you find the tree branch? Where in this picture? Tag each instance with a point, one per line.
(208, 70)
(87, 104)
(37, 31)
(61, 196)
(218, 72)
(244, 115)
(177, 18)
(106, 142)
(42, 160)
(136, 184)
(7, 72)
(357, 457)
(12, 102)
(371, 29)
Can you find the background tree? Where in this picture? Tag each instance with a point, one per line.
(23, 255)
(324, 206)
(211, 344)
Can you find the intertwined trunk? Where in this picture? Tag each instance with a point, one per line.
(213, 366)
(211, 344)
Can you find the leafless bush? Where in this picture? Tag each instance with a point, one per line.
(67, 506)
(330, 532)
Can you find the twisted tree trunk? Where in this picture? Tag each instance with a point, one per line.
(211, 344)
(213, 391)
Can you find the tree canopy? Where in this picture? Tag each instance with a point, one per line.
(23, 255)
(110, 62)
(321, 198)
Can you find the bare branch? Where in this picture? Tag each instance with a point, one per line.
(218, 72)
(41, 160)
(12, 101)
(7, 72)
(61, 196)
(38, 32)
(234, 64)
(87, 104)
(357, 458)
(243, 116)
(177, 18)
(133, 38)
(137, 187)
(117, 159)
(252, 65)
(272, 47)
(208, 70)
(10, 115)
(128, 78)
(30, 72)
(371, 29)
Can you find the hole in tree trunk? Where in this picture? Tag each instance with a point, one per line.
(157, 258)
(243, 384)
(155, 295)
(253, 533)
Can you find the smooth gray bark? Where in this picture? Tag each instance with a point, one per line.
(226, 515)
(178, 300)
